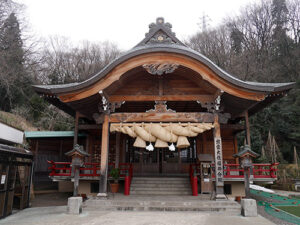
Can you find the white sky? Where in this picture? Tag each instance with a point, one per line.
(123, 22)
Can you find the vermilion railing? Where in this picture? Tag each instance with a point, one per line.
(263, 170)
(64, 169)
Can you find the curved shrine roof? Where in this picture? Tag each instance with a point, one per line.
(161, 39)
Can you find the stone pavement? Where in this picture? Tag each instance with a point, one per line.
(58, 216)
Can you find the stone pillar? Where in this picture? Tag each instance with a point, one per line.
(219, 170)
(104, 157)
(75, 205)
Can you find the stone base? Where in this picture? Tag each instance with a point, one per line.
(75, 205)
(221, 197)
(102, 195)
(249, 207)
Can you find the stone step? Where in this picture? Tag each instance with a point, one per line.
(228, 207)
(161, 185)
(161, 192)
(161, 178)
(159, 182)
(145, 188)
(139, 201)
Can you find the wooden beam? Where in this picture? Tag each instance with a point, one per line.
(104, 157)
(247, 129)
(236, 127)
(76, 129)
(89, 127)
(150, 98)
(166, 117)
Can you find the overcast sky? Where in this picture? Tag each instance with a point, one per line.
(123, 22)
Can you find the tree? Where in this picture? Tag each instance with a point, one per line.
(14, 80)
(262, 44)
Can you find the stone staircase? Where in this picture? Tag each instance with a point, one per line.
(160, 186)
(161, 194)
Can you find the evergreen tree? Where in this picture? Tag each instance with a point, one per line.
(14, 81)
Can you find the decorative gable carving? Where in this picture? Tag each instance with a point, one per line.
(160, 33)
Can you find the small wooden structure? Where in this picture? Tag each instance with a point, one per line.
(16, 166)
(161, 80)
(50, 146)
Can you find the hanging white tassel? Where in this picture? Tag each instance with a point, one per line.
(172, 147)
(150, 147)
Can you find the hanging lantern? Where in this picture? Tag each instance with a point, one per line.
(139, 143)
(182, 142)
(161, 144)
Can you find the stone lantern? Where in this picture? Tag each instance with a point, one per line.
(78, 155)
(246, 156)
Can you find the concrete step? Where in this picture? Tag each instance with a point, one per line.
(161, 185)
(228, 207)
(160, 178)
(161, 192)
(145, 188)
(159, 182)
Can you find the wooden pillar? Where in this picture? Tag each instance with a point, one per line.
(218, 160)
(36, 151)
(123, 159)
(61, 150)
(104, 157)
(87, 148)
(236, 150)
(204, 147)
(247, 129)
(76, 129)
(118, 137)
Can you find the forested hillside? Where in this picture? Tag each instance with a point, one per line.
(261, 43)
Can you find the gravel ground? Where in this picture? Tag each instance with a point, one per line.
(262, 212)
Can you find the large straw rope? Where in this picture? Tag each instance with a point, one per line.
(145, 135)
(161, 133)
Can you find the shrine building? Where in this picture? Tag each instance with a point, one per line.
(162, 112)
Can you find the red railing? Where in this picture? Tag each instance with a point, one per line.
(265, 170)
(64, 169)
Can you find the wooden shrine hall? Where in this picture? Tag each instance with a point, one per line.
(163, 110)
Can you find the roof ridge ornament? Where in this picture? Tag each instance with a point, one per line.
(160, 33)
